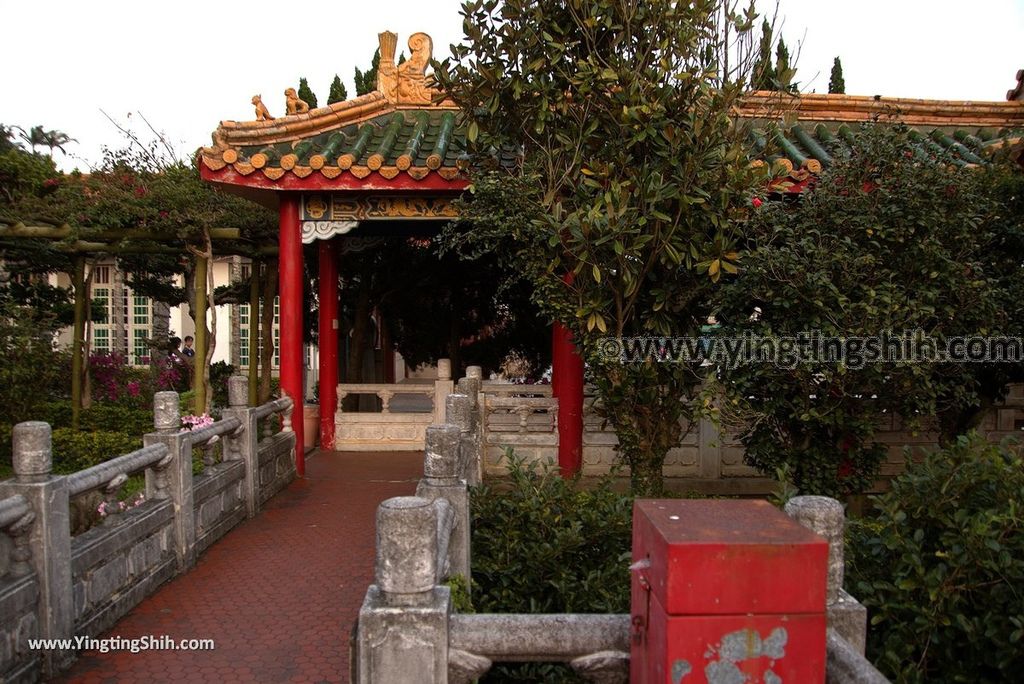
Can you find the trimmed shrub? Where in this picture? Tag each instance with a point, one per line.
(542, 544)
(74, 451)
(113, 418)
(545, 545)
(942, 565)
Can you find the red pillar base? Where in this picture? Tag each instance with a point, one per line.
(290, 289)
(567, 386)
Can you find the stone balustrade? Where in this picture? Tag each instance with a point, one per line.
(392, 428)
(54, 585)
(407, 631)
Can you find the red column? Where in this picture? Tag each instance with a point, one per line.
(328, 337)
(290, 291)
(567, 386)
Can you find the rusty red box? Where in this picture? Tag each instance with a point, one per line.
(724, 589)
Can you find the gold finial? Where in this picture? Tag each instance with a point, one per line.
(261, 109)
(292, 103)
(405, 83)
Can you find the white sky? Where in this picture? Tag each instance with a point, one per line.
(187, 64)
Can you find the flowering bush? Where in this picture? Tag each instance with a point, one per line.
(105, 508)
(191, 422)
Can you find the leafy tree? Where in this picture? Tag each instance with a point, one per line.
(366, 82)
(306, 94)
(886, 241)
(622, 215)
(836, 83)
(763, 73)
(338, 92)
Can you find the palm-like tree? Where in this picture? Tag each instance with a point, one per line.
(57, 140)
(37, 136)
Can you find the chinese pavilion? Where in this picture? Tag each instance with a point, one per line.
(391, 162)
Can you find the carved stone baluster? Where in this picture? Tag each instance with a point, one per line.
(553, 411)
(385, 398)
(286, 421)
(209, 455)
(112, 499)
(21, 554)
(524, 412)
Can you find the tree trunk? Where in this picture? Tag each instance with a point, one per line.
(254, 333)
(267, 330)
(645, 475)
(211, 340)
(199, 296)
(77, 343)
(159, 334)
(118, 324)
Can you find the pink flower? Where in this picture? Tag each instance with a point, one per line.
(757, 202)
(134, 388)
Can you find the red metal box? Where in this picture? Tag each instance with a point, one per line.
(726, 590)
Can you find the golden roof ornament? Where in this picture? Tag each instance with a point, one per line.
(406, 83)
(262, 114)
(293, 104)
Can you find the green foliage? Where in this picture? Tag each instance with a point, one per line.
(338, 92)
(940, 568)
(219, 374)
(31, 372)
(542, 544)
(306, 93)
(836, 83)
(462, 602)
(366, 81)
(763, 74)
(22, 173)
(545, 545)
(74, 450)
(784, 72)
(623, 213)
(114, 418)
(883, 243)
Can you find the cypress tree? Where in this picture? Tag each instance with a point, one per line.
(305, 93)
(836, 83)
(783, 73)
(366, 82)
(338, 92)
(763, 74)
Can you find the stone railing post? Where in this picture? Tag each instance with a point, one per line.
(243, 445)
(171, 478)
(49, 536)
(462, 415)
(403, 623)
(443, 386)
(825, 516)
(471, 385)
(441, 480)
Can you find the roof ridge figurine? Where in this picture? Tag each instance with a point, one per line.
(293, 104)
(406, 83)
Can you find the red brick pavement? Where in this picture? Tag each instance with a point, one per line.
(278, 594)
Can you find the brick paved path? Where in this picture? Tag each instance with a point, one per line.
(279, 593)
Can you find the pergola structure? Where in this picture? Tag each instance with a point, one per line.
(391, 162)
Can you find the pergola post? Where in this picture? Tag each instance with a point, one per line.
(328, 341)
(290, 288)
(567, 387)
